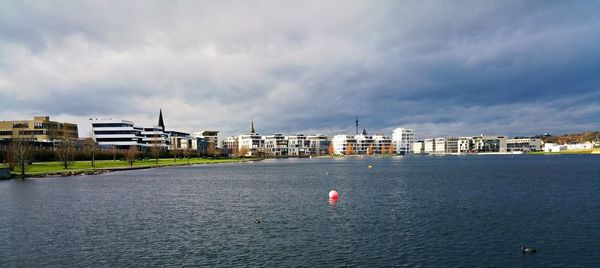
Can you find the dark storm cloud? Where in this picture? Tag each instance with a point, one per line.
(443, 68)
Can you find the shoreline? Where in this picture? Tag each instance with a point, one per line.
(98, 171)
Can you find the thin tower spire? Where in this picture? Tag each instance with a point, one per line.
(252, 127)
(161, 123)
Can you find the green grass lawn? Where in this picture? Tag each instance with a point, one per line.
(39, 168)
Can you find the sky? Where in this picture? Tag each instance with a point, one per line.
(443, 68)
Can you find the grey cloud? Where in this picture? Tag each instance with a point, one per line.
(443, 68)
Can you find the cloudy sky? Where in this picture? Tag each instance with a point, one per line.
(440, 67)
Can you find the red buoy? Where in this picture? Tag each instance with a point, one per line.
(333, 195)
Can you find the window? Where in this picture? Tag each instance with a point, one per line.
(20, 125)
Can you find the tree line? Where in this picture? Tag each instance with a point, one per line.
(18, 153)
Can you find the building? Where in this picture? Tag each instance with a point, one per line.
(212, 137)
(230, 145)
(429, 146)
(155, 137)
(275, 145)
(39, 129)
(448, 145)
(403, 138)
(465, 145)
(251, 144)
(487, 144)
(555, 148)
(298, 145)
(524, 145)
(116, 133)
(318, 144)
(343, 144)
(418, 147)
(361, 144)
(123, 134)
(440, 146)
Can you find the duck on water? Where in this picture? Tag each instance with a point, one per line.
(527, 250)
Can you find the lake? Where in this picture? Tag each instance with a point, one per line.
(404, 211)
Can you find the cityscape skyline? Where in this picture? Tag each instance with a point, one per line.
(449, 69)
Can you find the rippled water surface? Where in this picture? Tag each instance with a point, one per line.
(411, 211)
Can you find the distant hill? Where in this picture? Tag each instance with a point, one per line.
(572, 138)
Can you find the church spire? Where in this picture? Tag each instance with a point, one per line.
(252, 127)
(161, 123)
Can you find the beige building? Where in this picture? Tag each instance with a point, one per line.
(38, 129)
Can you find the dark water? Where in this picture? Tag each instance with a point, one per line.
(412, 211)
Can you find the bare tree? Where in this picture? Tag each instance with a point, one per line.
(91, 148)
(113, 150)
(186, 153)
(18, 154)
(175, 152)
(330, 149)
(155, 149)
(66, 151)
(131, 155)
(211, 151)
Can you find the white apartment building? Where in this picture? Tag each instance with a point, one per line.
(440, 146)
(230, 144)
(429, 146)
(555, 148)
(343, 144)
(252, 143)
(298, 145)
(360, 144)
(464, 145)
(275, 145)
(403, 138)
(418, 147)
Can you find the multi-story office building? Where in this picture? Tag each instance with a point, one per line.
(524, 145)
(116, 133)
(39, 129)
(403, 138)
(123, 134)
(155, 137)
(484, 144)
